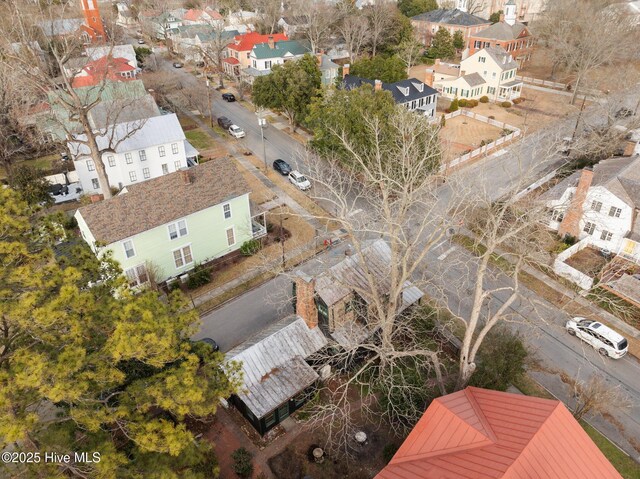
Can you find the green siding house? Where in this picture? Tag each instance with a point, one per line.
(167, 225)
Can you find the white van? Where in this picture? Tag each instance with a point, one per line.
(604, 339)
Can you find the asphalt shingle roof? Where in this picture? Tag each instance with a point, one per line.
(162, 200)
(501, 31)
(501, 57)
(451, 17)
(402, 91)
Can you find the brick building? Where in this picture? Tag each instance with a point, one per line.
(509, 34)
(427, 24)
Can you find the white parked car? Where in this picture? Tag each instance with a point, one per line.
(604, 339)
(299, 180)
(236, 131)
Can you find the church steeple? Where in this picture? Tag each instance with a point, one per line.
(510, 15)
(92, 21)
(461, 5)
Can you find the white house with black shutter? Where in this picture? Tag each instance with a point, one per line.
(412, 94)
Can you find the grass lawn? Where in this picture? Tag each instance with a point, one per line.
(199, 139)
(627, 467)
(42, 163)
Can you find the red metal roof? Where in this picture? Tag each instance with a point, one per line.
(477, 434)
(101, 69)
(247, 41)
(231, 60)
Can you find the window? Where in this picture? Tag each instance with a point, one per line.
(254, 64)
(231, 237)
(557, 215)
(95, 183)
(145, 173)
(482, 59)
(177, 229)
(491, 90)
(589, 228)
(177, 164)
(137, 275)
(165, 169)
(128, 248)
(596, 206)
(182, 256)
(90, 165)
(161, 151)
(493, 75)
(128, 158)
(112, 161)
(267, 65)
(270, 420)
(606, 235)
(174, 148)
(133, 176)
(143, 155)
(616, 212)
(227, 211)
(477, 44)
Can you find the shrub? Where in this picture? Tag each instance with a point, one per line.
(491, 117)
(251, 247)
(242, 462)
(484, 99)
(505, 104)
(454, 105)
(462, 102)
(472, 103)
(518, 100)
(443, 121)
(198, 277)
(502, 360)
(388, 452)
(569, 239)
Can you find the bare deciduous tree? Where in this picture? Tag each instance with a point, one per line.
(52, 74)
(321, 17)
(586, 38)
(596, 396)
(269, 12)
(354, 29)
(409, 52)
(380, 16)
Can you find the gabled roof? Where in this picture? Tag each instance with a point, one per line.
(161, 200)
(502, 31)
(115, 51)
(247, 41)
(451, 17)
(474, 79)
(402, 91)
(61, 26)
(281, 48)
(482, 434)
(351, 275)
(499, 55)
(134, 135)
(273, 363)
(195, 15)
(620, 176)
(105, 68)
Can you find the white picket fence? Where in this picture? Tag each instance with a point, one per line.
(485, 148)
(555, 85)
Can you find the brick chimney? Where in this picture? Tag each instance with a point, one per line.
(462, 73)
(377, 85)
(186, 177)
(571, 223)
(305, 303)
(502, 18)
(428, 76)
(437, 62)
(345, 69)
(319, 58)
(271, 42)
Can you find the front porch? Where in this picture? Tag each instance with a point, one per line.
(509, 91)
(258, 221)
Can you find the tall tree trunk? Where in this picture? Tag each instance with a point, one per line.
(575, 88)
(96, 155)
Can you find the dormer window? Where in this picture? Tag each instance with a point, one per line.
(404, 90)
(419, 86)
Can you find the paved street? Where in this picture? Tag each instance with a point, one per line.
(541, 323)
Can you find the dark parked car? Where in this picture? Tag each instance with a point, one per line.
(210, 342)
(282, 166)
(224, 122)
(228, 97)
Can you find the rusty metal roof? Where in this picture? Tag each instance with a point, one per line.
(481, 434)
(273, 364)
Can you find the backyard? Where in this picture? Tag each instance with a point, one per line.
(461, 134)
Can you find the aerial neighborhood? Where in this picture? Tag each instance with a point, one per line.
(325, 239)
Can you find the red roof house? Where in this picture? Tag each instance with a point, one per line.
(104, 68)
(477, 434)
(239, 50)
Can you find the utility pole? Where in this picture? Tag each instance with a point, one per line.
(261, 123)
(282, 240)
(575, 130)
(209, 102)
